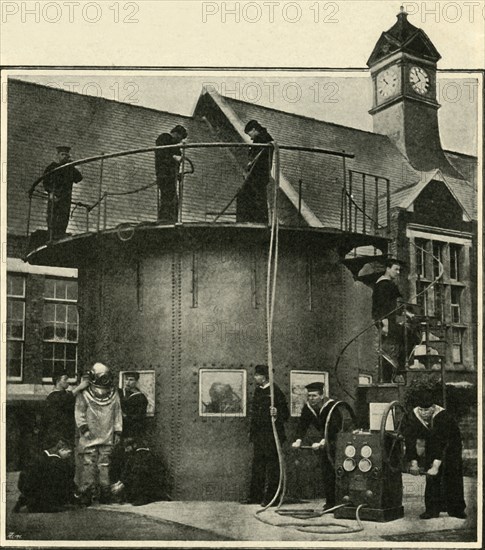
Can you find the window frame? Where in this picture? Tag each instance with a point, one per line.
(420, 252)
(454, 345)
(16, 298)
(455, 305)
(67, 302)
(455, 253)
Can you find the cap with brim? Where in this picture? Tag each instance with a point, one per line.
(179, 129)
(390, 259)
(132, 373)
(315, 386)
(261, 369)
(63, 149)
(252, 125)
(424, 399)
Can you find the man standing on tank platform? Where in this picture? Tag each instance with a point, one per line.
(58, 185)
(167, 162)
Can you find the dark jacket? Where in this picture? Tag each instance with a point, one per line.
(142, 477)
(442, 441)
(165, 164)
(442, 438)
(261, 424)
(318, 419)
(384, 300)
(47, 483)
(60, 182)
(260, 166)
(134, 409)
(58, 418)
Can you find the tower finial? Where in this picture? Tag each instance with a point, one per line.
(402, 11)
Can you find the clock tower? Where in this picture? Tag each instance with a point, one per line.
(403, 68)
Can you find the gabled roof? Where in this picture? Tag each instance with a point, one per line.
(462, 191)
(403, 37)
(285, 185)
(322, 176)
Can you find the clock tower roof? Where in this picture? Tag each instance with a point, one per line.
(406, 38)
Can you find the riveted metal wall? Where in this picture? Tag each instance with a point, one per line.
(190, 303)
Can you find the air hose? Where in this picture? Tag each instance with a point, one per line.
(272, 271)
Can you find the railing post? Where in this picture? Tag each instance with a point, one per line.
(181, 187)
(388, 204)
(364, 221)
(299, 199)
(350, 200)
(50, 203)
(342, 207)
(376, 206)
(87, 220)
(100, 193)
(344, 168)
(276, 151)
(380, 374)
(105, 210)
(28, 216)
(405, 327)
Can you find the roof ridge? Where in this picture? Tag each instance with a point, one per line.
(303, 116)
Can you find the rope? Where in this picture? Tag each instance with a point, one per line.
(272, 270)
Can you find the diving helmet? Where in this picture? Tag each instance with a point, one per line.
(101, 379)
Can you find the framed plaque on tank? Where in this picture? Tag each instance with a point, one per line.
(299, 379)
(222, 392)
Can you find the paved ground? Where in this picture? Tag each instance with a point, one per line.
(219, 521)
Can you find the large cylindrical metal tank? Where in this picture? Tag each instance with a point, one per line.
(180, 299)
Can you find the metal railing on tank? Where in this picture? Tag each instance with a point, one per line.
(96, 218)
(366, 203)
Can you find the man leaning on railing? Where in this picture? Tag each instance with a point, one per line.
(252, 204)
(58, 185)
(167, 162)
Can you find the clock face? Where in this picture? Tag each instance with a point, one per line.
(419, 80)
(387, 83)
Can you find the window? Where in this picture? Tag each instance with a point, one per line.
(438, 301)
(455, 255)
(15, 325)
(437, 258)
(420, 248)
(446, 300)
(457, 350)
(60, 327)
(422, 297)
(455, 304)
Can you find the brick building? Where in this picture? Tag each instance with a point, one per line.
(148, 295)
